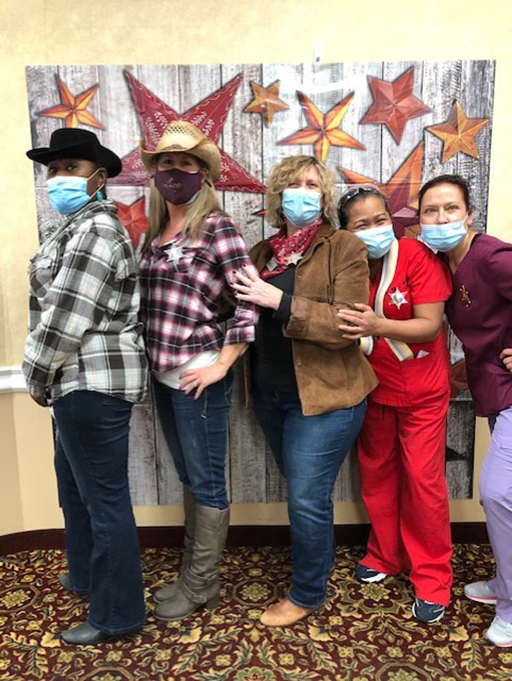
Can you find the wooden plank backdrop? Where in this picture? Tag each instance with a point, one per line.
(250, 468)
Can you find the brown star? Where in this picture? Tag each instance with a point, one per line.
(266, 101)
(458, 133)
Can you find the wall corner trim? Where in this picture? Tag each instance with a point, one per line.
(12, 380)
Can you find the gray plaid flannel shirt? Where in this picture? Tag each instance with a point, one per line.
(84, 332)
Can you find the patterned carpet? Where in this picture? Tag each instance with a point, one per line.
(363, 633)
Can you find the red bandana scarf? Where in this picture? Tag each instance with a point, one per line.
(284, 247)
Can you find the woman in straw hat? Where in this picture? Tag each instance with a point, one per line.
(84, 355)
(192, 250)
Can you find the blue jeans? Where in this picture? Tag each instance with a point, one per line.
(91, 462)
(309, 451)
(196, 434)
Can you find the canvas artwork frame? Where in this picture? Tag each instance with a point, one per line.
(396, 124)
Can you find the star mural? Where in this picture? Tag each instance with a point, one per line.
(73, 108)
(209, 115)
(266, 101)
(401, 191)
(134, 220)
(323, 130)
(394, 104)
(458, 133)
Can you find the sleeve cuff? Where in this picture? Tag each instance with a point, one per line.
(283, 312)
(244, 335)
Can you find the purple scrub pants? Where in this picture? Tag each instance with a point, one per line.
(496, 498)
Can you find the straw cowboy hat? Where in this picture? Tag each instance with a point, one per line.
(183, 136)
(77, 143)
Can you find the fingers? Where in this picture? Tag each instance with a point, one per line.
(242, 277)
(351, 330)
(251, 273)
(362, 307)
(190, 381)
(507, 352)
(352, 317)
(352, 336)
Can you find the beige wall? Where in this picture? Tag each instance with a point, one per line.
(201, 31)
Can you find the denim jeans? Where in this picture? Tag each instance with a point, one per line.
(91, 462)
(196, 434)
(309, 451)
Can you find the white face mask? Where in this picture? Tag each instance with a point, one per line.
(378, 240)
(443, 237)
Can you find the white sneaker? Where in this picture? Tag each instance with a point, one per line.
(500, 633)
(480, 592)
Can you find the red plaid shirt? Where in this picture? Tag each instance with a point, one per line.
(181, 284)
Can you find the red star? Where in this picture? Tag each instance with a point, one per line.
(134, 219)
(209, 115)
(458, 133)
(401, 191)
(323, 131)
(394, 104)
(73, 109)
(266, 101)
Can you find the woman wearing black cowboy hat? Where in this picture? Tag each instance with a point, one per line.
(84, 355)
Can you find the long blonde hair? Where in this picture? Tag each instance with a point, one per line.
(205, 202)
(291, 167)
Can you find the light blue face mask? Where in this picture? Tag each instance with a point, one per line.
(301, 206)
(445, 237)
(68, 193)
(378, 240)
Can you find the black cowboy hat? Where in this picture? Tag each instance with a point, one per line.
(77, 143)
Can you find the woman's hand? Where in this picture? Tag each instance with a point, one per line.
(250, 286)
(199, 379)
(506, 357)
(358, 323)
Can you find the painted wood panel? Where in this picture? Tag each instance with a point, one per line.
(251, 471)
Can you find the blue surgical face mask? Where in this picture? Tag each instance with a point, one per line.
(68, 193)
(301, 206)
(378, 240)
(443, 237)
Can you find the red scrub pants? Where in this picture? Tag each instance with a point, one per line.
(402, 464)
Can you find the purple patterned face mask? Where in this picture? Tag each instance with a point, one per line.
(177, 186)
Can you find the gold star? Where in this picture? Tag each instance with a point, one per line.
(73, 109)
(458, 133)
(323, 131)
(266, 101)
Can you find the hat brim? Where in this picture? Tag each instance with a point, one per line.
(101, 155)
(207, 151)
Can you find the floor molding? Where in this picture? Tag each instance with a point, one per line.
(239, 535)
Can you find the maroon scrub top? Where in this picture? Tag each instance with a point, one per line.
(480, 313)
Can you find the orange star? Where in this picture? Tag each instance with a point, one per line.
(323, 131)
(458, 133)
(73, 108)
(401, 191)
(266, 101)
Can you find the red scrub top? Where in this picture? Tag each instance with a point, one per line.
(419, 278)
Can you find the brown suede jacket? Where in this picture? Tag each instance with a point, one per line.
(332, 373)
